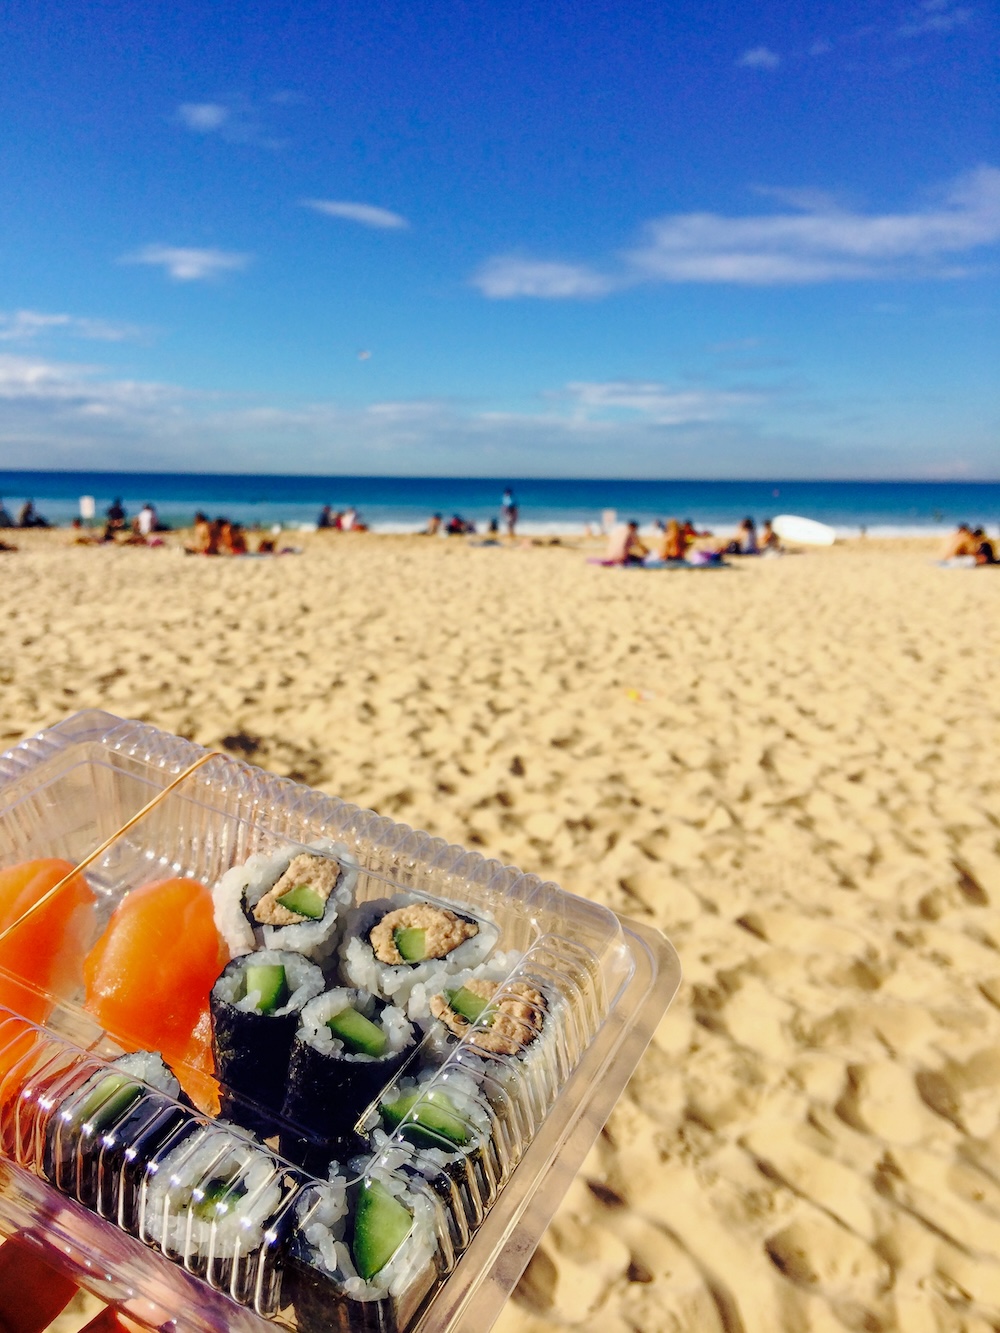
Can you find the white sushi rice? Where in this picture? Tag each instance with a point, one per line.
(359, 966)
(328, 1251)
(241, 889)
(170, 1196)
(418, 1005)
(303, 978)
(316, 1015)
(457, 1091)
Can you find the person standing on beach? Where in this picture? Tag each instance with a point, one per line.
(508, 508)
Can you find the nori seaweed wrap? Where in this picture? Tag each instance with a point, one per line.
(256, 1006)
(348, 1046)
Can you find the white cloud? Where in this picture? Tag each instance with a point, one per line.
(24, 325)
(935, 16)
(818, 242)
(759, 57)
(203, 117)
(652, 400)
(369, 215)
(506, 276)
(186, 264)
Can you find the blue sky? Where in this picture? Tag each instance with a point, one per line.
(589, 239)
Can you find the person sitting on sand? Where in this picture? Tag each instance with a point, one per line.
(984, 553)
(744, 542)
(201, 538)
(625, 547)
(958, 543)
(672, 544)
(5, 519)
(769, 541)
(146, 520)
(325, 519)
(433, 526)
(30, 517)
(232, 539)
(116, 519)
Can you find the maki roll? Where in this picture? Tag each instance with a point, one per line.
(256, 1006)
(348, 1046)
(501, 1018)
(457, 1141)
(363, 1257)
(76, 1131)
(206, 1201)
(392, 944)
(291, 899)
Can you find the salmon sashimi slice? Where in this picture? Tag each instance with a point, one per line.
(47, 950)
(149, 976)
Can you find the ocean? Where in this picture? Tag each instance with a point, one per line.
(559, 506)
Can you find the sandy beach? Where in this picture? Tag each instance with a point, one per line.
(791, 767)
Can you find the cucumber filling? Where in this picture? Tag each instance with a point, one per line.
(381, 1224)
(426, 1119)
(467, 1003)
(359, 1034)
(411, 941)
(110, 1099)
(270, 983)
(217, 1199)
(304, 901)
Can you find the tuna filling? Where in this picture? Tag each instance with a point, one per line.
(308, 882)
(515, 1020)
(441, 932)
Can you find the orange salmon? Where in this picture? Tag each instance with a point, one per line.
(47, 951)
(149, 975)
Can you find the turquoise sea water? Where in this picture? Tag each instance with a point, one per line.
(559, 505)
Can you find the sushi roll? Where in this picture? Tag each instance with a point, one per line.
(364, 1254)
(501, 1018)
(77, 1130)
(256, 1006)
(348, 1046)
(393, 944)
(206, 1201)
(457, 1140)
(292, 899)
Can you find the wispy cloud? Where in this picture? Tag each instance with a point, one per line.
(368, 215)
(506, 276)
(203, 117)
(934, 16)
(26, 325)
(188, 264)
(819, 242)
(236, 121)
(649, 399)
(759, 57)
(62, 415)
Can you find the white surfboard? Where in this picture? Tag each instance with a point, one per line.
(807, 531)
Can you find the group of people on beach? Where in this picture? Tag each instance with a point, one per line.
(968, 546)
(29, 517)
(344, 520)
(674, 540)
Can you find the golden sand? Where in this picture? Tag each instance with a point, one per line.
(791, 767)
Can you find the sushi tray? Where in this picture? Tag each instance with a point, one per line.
(268, 1060)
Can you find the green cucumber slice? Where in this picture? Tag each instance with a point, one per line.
(305, 901)
(269, 979)
(111, 1098)
(381, 1224)
(217, 1199)
(434, 1119)
(359, 1034)
(411, 941)
(467, 1003)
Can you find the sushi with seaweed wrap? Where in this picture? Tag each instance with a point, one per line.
(77, 1131)
(391, 945)
(349, 1044)
(256, 1006)
(364, 1253)
(292, 899)
(206, 1200)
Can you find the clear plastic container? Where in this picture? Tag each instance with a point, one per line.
(160, 1206)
